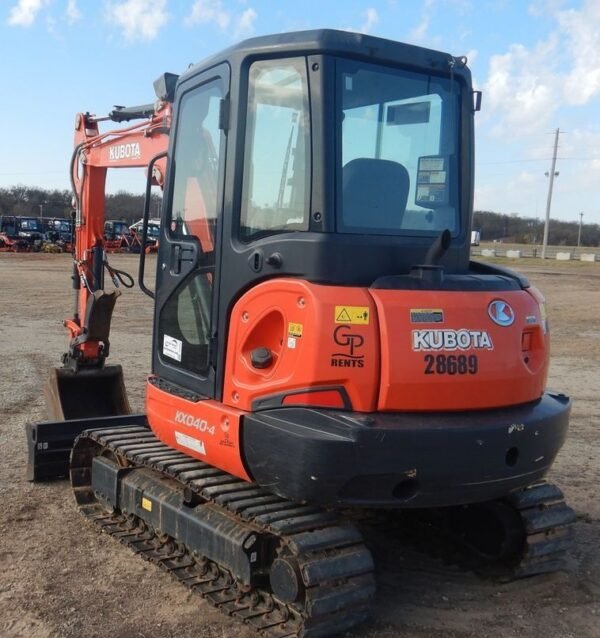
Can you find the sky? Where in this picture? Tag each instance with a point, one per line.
(536, 61)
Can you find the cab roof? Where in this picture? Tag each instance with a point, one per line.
(330, 41)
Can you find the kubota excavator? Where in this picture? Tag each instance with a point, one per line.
(322, 345)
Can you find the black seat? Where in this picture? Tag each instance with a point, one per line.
(374, 193)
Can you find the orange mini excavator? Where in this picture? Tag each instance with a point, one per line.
(322, 342)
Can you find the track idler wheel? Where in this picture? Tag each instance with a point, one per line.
(494, 530)
(286, 580)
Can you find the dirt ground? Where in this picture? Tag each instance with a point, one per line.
(59, 577)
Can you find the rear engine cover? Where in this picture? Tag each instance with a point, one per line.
(457, 350)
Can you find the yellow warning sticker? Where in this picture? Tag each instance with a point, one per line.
(294, 329)
(146, 504)
(357, 315)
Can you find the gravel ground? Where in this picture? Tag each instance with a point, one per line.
(59, 577)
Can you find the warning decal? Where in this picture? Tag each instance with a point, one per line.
(357, 315)
(295, 329)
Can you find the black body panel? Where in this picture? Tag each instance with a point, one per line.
(49, 443)
(404, 459)
(469, 282)
(203, 528)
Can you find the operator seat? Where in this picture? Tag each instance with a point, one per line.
(374, 193)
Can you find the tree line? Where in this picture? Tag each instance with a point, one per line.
(35, 202)
(29, 201)
(530, 230)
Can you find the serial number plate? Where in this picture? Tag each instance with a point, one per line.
(451, 364)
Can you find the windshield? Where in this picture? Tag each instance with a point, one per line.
(398, 150)
(62, 225)
(31, 224)
(121, 228)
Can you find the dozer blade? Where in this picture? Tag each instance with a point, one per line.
(97, 392)
(49, 443)
(75, 401)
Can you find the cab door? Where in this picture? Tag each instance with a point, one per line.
(187, 272)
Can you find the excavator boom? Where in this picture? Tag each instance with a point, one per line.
(84, 385)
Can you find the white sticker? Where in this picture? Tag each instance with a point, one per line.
(189, 442)
(291, 342)
(172, 347)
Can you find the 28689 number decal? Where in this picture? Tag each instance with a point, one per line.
(451, 364)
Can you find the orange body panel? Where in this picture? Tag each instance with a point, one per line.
(384, 362)
(511, 361)
(315, 346)
(206, 430)
(360, 349)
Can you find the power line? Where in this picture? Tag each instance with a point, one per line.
(541, 159)
(552, 174)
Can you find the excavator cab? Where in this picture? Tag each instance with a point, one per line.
(323, 161)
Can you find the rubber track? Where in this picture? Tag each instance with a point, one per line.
(546, 532)
(549, 529)
(335, 566)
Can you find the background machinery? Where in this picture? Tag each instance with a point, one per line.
(21, 234)
(324, 350)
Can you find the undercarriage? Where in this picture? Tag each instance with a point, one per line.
(286, 568)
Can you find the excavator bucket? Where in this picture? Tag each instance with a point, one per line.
(76, 401)
(86, 393)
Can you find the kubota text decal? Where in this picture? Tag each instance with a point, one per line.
(451, 340)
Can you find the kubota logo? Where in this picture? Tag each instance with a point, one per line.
(501, 313)
(451, 340)
(124, 151)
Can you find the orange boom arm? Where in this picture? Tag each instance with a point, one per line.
(94, 153)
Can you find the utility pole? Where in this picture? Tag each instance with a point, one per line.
(579, 234)
(552, 175)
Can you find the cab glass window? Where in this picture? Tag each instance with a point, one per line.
(277, 149)
(195, 204)
(184, 324)
(398, 150)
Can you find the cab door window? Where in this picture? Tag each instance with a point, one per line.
(277, 149)
(185, 319)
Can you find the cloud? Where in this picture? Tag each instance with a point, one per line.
(245, 23)
(539, 8)
(24, 13)
(371, 18)
(582, 33)
(527, 85)
(419, 33)
(72, 12)
(214, 12)
(472, 55)
(139, 19)
(521, 87)
(209, 11)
